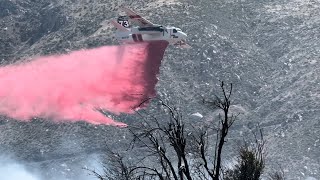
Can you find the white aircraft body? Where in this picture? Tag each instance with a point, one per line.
(146, 31)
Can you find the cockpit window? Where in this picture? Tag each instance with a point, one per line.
(175, 31)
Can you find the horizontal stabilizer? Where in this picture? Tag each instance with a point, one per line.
(118, 26)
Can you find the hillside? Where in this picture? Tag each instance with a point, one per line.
(268, 49)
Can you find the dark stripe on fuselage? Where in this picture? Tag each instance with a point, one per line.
(140, 37)
(134, 37)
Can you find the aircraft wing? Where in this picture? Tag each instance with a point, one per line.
(182, 44)
(186, 46)
(133, 16)
(118, 26)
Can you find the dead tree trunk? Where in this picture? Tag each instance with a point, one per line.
(222, 131)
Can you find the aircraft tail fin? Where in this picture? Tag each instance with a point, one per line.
(118, 26)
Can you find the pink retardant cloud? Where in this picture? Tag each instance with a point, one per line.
(73, 86)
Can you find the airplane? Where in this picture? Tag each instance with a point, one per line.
(146, 30)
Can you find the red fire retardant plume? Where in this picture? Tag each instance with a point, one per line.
(72, 87)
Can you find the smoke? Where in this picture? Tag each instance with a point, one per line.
(12, 170)
(75, 86)
(15, 172)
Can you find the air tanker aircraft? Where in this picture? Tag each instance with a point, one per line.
(146, 30)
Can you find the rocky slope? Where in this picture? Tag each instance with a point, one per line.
(268, 49)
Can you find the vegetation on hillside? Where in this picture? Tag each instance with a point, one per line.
(171, 149)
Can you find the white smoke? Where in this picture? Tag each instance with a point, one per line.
(12, 170)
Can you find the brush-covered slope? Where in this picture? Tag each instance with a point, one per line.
(268, 49)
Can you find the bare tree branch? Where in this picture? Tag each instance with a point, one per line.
(167, 144)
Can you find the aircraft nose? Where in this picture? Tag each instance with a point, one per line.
(183, 35)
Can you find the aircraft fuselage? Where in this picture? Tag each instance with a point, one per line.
(140, 34)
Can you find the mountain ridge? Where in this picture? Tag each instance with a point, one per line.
(268, 50)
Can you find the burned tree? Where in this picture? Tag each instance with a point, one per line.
(225, 122)
(169, 148)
